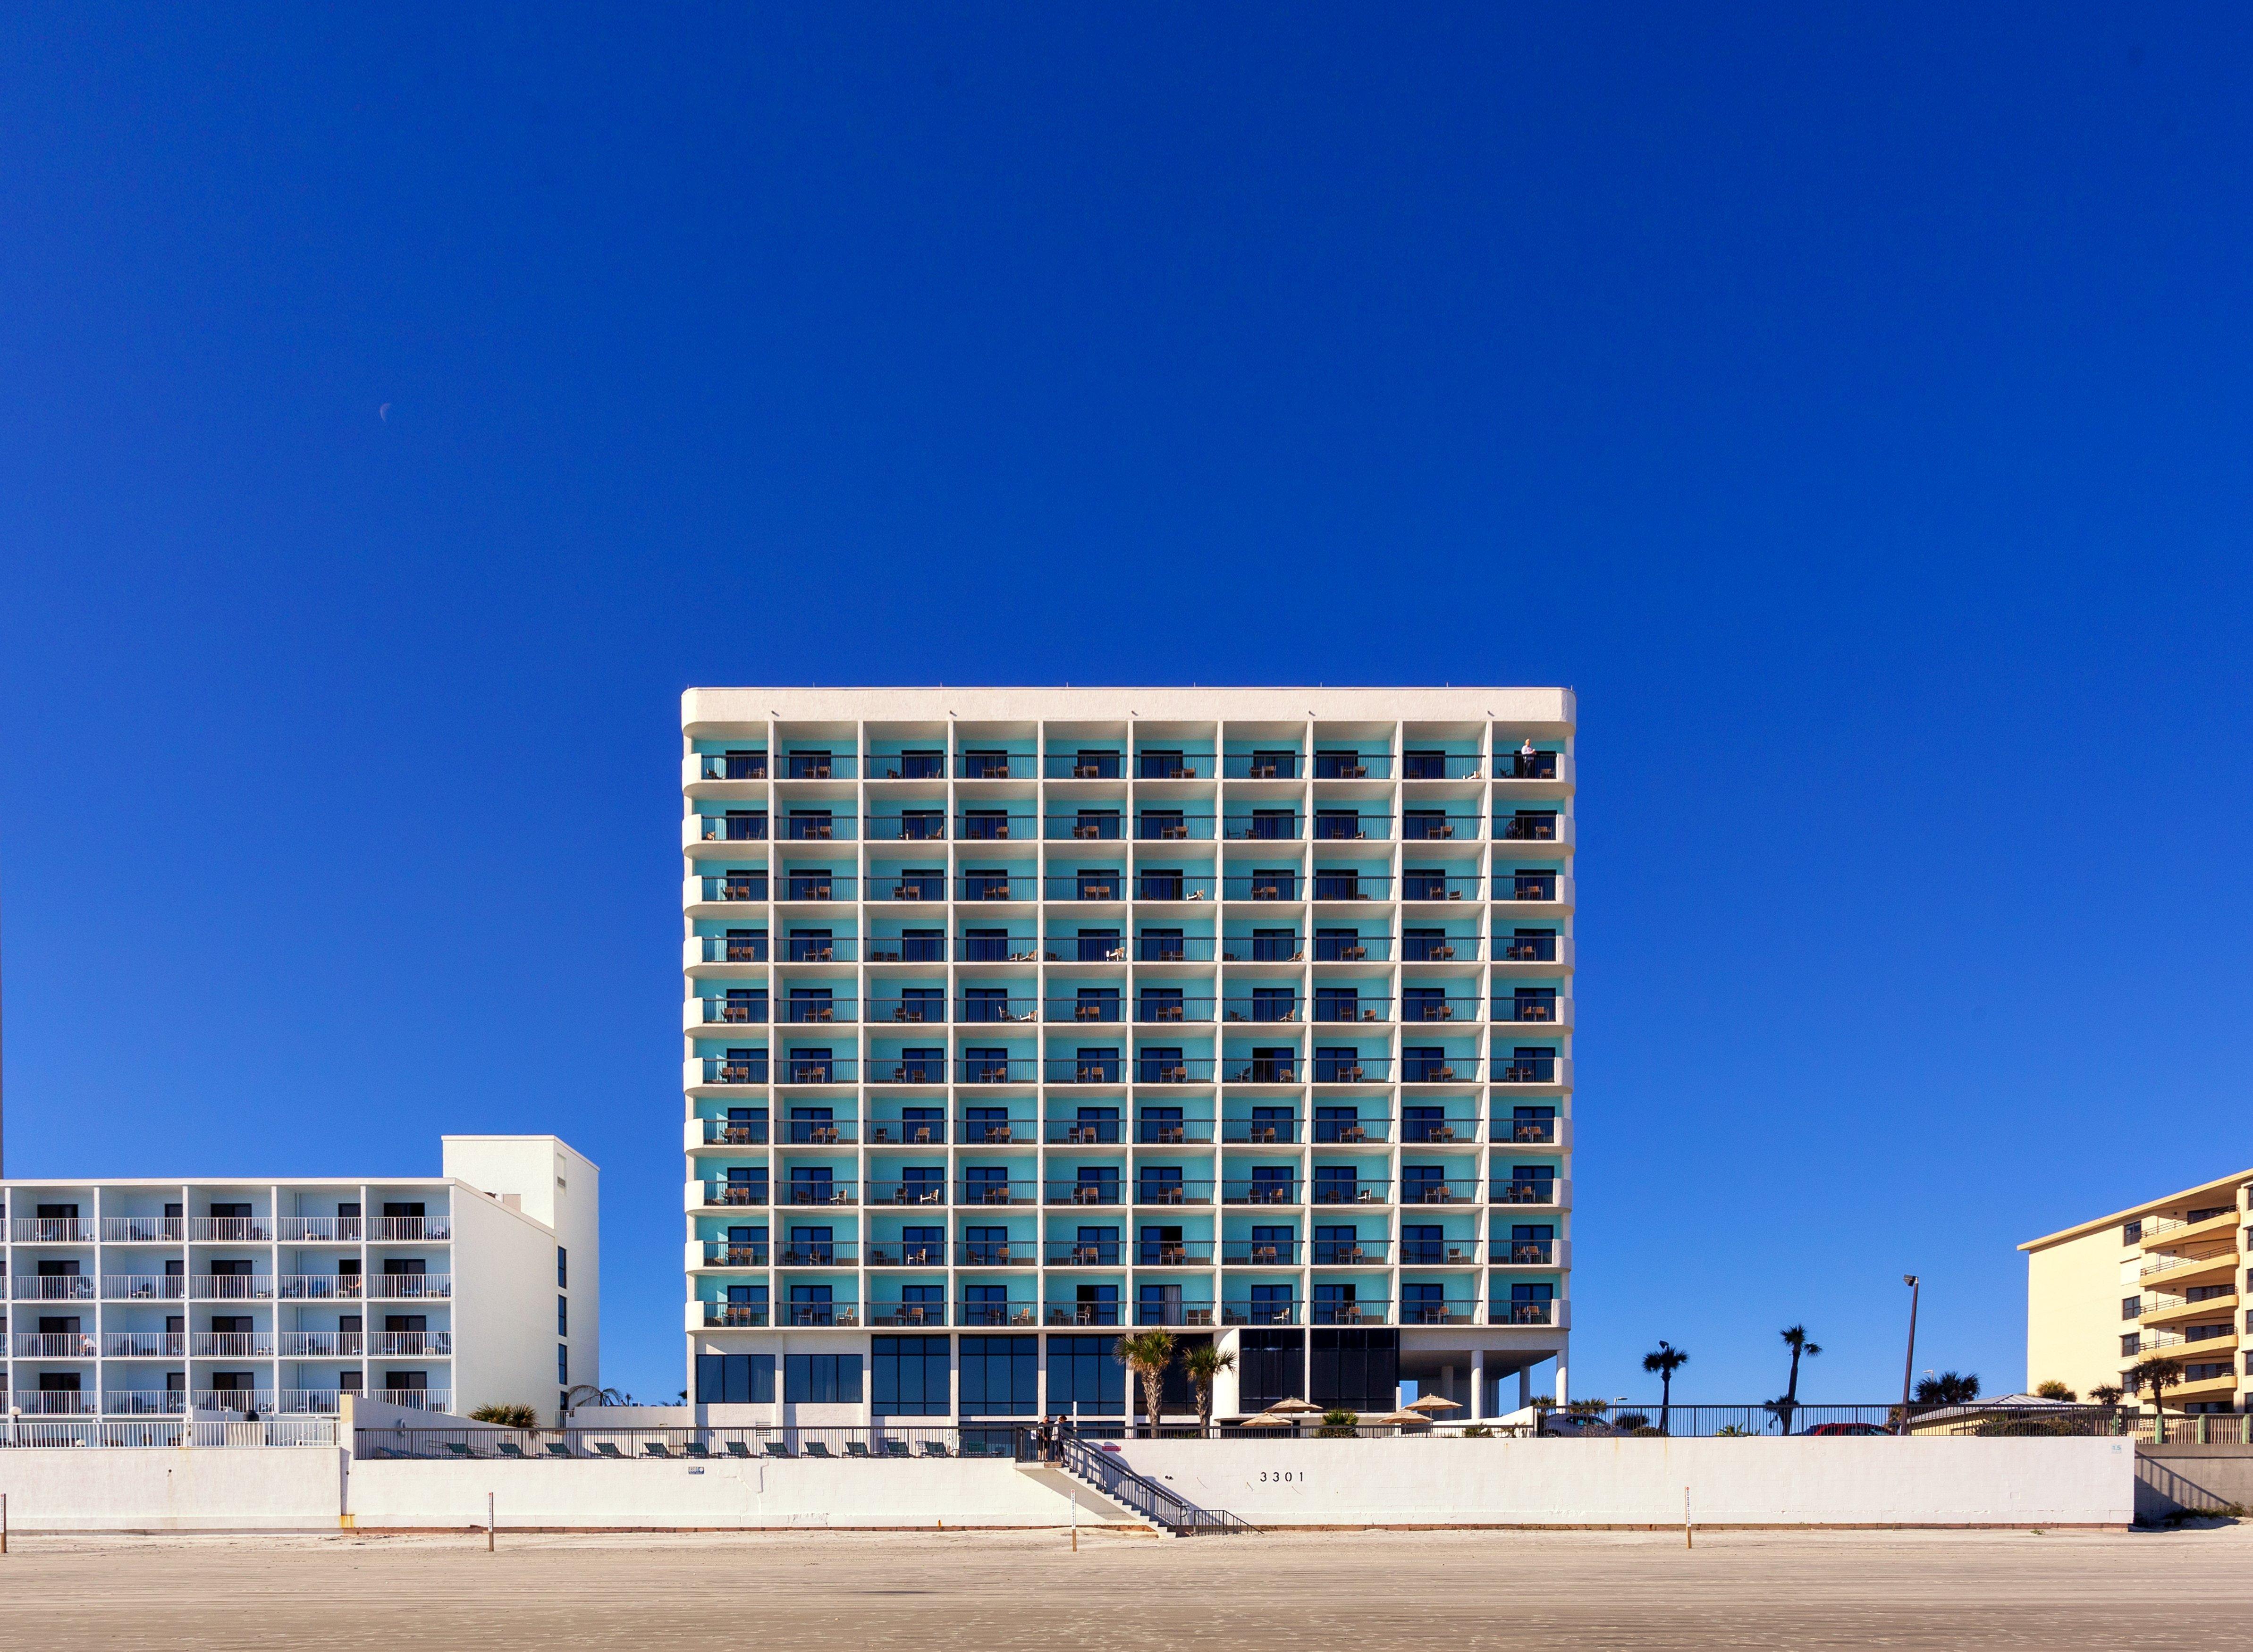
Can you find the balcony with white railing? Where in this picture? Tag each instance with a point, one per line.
(319, 1287)
(321, 1344)
(48, 1402)
(410, 1344)
(319, 1230)
(144, 1230)
(231, 1344)
(230, 1287)
(307, 1402)
(2174, 1264)
(144, 1287)
(51, 1345)
(427, 1399)
(144, 1402)
(409, 1287)
(52, 1287)
(144, 1344)
(231, 1230)
(246, 1400)
(52, 1231)
(408, 1230)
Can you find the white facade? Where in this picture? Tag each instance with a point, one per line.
(156, 1298)
(1026, 1016)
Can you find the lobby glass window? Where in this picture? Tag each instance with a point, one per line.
(1083, 1379)
(909, 1376)
(734, 1379)
(821, 1379)
(1270, 1366)
(1355, 1370)
(1000, 1376)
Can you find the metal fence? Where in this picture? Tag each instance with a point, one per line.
(1772, 1418)
(39, 1432)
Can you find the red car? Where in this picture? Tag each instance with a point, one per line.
(1846, 1428)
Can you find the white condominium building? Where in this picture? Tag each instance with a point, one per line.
(1017, 1018)
(259, 1296)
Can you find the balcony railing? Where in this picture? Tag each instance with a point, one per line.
(1264, 1070)
(144, 1402)
(900, 1253)
(997, 1253)
(996, 1070)
(996, 827)
(1284, 1191)
(797, 1068)
(993, 765)
(321, 1287)
(231, 1344)
(1270, 1007)
(1525, 766)
(1151, 1190)
(1264, 886)
(52, 1345)
(1082, 1314)
(815, 886)
(309, 1402)
(1173, 765)
(1520, 1253)
(409, 1287)
(1334, 826)
(1438, 886)
(1155, 1010)
(908, 1193)
(818, 765)
(1523, 1070)
(420, 1399)
(929, 827)
(1524, 1011)
(975, 1131)
(731, 828)
(824, 1253)
(1171, 1132)
(1439, 1070)
(1084, 765)
(142, 1287)
(1439, 949)
(1167, 826)
(728, 1253)
(1262, 766)
(1439, 1311)
(734, 1012)
(1440, 765)
(733, 949)
(1526, 1192)
(1261, 1254)
(1440, 1190)
(1086, 1193)
(1273, 826)
(1160, 1312)
(1003, 886)
(996, 949)
(817, 828)
(1525, 1131)
(991, 1313)
(743, 887)
(734, 1316)
(1259, 1132)
(910, 1012)
(1152, 1068)
(907, 949)
(820, 1133)
(1526, 886)
(1260, 1313)
(833, 1191)
(319, 1230)
(820, 949)
(144, 1344)
(917, 1070)
(907, 765)
(907, 1132)
(818, 1313)
(907, 886)
(1514, 1313)
(1427, 826)
(1102, 1010)
(727, 1070)
(1349, 1253)
(1352, 765)
(1347, 1190)
(1447, 1127)
(1354, 1310)
(397, 1229)
(732, 765)
(52, 1231)
(144, 1230)
(49, 1402)
(1086, 1131)
(1108, 886)
(1157, 949)
(1087, 826)
(53, 1288)
(326, 1344)
(1525, 828)
(896, 1315)
(1352, 1006)
(817, 1012)
(1361, 1127)
(231, 1287)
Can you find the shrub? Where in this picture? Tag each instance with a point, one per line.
(506, 1416)
(1631, 1422)
(1732, 1432)
(1478, 1431)
(1337, 1425)
(1646, 1431)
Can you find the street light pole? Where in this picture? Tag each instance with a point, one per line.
(1908, 1365)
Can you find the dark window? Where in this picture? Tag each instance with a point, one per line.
(821, 1379)
(923, 765)
(734, 1379)
(1000, 1376)
(1270, 1366)
(1083, 1379)
(562, 1316)
(909, 1377)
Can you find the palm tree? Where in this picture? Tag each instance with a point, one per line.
(2158, 1373)
(1204, 1362)
(2054, 1390)
(1795, 1338)
(2105, 1394)
(1147, 1354)
(1666, 1360)
(1948, 1388)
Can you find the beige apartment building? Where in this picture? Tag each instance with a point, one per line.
(2162, 1277)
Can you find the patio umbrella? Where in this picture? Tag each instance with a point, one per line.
(1268, 1420)
(1432, 1404)
(1294, 1408)
(1409, 1417)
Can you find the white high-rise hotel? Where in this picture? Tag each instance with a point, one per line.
(1016, 1017)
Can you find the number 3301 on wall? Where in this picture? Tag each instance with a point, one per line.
(1266, 1477)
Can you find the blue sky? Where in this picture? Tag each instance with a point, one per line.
(1849, 405)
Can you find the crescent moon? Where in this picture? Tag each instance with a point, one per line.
(384, 413)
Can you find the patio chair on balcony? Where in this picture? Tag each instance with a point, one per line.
(604, 1448)
(896, 1448)
(934, 1448)
(557, 1448)
(815, 1448)
(697, 1449)
(777, 1448)
(656, 1448)
(455, 1449)
(737, 1448)
(510, 1449)
(857, 1448)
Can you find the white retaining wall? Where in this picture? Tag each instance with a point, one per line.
(111, 1488)
(1302, 1482)
(1639, 1482)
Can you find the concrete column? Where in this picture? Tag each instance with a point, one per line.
(1561, 1395)
(1478, 1385)
(1447, 1382)
(1525, 1386)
